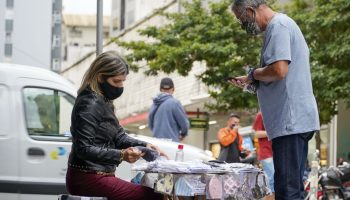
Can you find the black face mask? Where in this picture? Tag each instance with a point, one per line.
(111, 92)
(251, 26)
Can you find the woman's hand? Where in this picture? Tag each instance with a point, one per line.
(132, 154)
(154, 147)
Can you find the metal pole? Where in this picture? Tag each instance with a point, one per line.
(206, 146)
(99, 27)
(333, 134)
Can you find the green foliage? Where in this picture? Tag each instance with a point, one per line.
(213, 36)
(326, 27)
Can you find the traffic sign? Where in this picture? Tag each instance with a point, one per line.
(199, 123)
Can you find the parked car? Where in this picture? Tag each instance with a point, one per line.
(35, 140)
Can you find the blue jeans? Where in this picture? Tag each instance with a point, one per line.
(267, 165)
(289, 157)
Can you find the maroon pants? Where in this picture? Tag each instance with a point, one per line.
(84, 184)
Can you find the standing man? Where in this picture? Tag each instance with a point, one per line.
(167, 117)
(284, 89)
(230, 141)
(265, 150)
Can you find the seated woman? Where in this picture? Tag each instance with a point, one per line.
(100, 144)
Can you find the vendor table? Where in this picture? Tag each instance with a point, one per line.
(207, 179)
(239, 184)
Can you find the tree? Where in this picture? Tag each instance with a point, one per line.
(325, 25)
(212, 35)
(209, 35)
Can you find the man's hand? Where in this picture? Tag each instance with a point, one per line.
(154, 147)
(234, 131)
(181, 137)
(244, 153)
(235, 128)
(260, 134)
(132, 154)
(240, 81)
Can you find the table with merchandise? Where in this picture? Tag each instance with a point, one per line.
(208, 180)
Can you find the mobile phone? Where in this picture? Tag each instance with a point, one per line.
(231, 78)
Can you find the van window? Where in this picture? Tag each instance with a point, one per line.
(47, 112)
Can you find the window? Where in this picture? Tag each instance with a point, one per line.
(105, 34)
(56, 17)
(8, 38)
(9, 25)
(130, 12)
(8, 50)
(56, 64)
(130, 17)
(56, 41)
(115, 23)
(75, 33)
(9, 3)
(47, 112)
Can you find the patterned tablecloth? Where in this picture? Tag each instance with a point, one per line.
(248, 183)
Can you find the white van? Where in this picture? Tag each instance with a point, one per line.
(35, 110)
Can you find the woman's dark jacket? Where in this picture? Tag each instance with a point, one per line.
(97, 135)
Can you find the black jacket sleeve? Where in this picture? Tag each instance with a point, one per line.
(123, 141)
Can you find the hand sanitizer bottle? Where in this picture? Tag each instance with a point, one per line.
(180, 153)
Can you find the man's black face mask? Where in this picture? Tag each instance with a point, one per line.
(250, 25)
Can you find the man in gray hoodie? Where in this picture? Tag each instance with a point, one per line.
(167, 117)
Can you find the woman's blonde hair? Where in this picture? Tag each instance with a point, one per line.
(105, 65)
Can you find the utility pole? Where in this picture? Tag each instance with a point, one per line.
(99, 27)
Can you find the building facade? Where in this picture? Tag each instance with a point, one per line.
(127, 12)
(79, 36)
(32, 33)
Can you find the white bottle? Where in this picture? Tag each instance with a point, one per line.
(180, 153)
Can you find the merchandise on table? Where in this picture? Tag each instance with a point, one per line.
(149, 180)
(171, 166)
(189, 185)
(214, 180)
(214, 188)
(165, 183)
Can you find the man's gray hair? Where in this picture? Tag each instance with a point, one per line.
(247, 3)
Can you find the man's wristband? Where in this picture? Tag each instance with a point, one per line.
(251, 74)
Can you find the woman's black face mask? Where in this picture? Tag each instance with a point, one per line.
(111, 92)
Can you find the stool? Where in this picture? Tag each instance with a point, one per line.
(73, 197)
